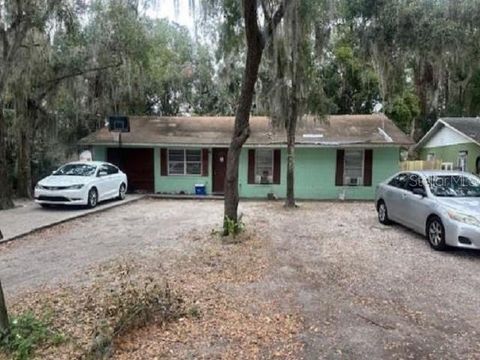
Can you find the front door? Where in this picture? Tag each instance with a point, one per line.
(219, 165)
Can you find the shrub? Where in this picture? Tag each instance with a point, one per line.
(130, 304)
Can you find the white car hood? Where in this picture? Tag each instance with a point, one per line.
(64, 180)
(469, 206)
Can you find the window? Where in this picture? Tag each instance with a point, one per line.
(399, 181)
(184, 162)
(462, 160)
(414, 182)
(111, 170)
(353, 165)
(264, 166)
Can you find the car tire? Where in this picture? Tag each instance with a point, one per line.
(92, 198)
(383, 213)
(122, 192)
(435, 233)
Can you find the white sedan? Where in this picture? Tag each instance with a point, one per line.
(82, 183)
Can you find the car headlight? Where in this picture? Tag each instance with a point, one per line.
(463, 218)
(39, 187)
(74, 187)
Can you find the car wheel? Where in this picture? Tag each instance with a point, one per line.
(92, 198)
(122, 191)
(436, 233)
(383, 213)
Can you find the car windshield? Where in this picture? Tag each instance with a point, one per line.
(76, 170)
(454, 186)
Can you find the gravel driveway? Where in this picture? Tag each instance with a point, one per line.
(365, 290)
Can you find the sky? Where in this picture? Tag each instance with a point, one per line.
(166, 9)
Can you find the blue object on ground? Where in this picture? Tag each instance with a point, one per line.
(200, 189)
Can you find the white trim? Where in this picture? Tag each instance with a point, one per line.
(273, 166)
(345, 167)
(432, 132)
(185, 162)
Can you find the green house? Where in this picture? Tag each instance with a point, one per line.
(339, 157)
(454, 143)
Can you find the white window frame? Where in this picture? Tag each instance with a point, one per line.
(185, 162)
(259, 176)
(345, 183)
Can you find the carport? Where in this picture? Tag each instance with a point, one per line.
(137, 163)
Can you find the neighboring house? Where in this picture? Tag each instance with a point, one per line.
(336, 157)
(454, 142)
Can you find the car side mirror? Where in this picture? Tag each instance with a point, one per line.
(102, 173)
(419, 191)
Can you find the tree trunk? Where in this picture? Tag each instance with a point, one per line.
(5, 190)
(24, 168)
(241, 131)
(4, 322)
(291, 125)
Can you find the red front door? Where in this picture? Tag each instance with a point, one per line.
(219, 165)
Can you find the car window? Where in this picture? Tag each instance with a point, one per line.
(399, 181)
(414, 182)
(454, 185)
(103, 168)
(111, 170)
(76, 170)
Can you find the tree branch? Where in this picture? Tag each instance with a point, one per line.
(273, 21)
(54, 82)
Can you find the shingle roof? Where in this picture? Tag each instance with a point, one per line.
(333, 130)
(469, 126)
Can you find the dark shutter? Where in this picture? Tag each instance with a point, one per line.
(277, 163)
(163, 162)
(340, 164)
(204, 162)
(251, 166)
(367, 167)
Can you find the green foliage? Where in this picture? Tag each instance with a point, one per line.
(403, 109)
(26, 333)
(232, 227)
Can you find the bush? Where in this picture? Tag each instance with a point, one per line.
(26, 333)
(132, 303)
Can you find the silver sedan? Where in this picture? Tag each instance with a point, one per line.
(444, 206)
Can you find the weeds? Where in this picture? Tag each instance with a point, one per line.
(232, 227)
(132, 304)
(26, 333)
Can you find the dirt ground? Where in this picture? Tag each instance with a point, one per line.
(322, 281)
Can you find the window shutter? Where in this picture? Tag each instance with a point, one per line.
(277, 163)
(204, 162)
(340, 164)
(163, 162)
(251, 166)
(367, 167)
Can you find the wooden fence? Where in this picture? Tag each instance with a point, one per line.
(420, 165)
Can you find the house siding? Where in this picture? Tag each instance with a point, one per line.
(450, 154)
(314, 175)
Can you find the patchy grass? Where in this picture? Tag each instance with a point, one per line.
(27, 332)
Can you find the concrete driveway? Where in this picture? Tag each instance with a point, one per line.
(28, 216)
